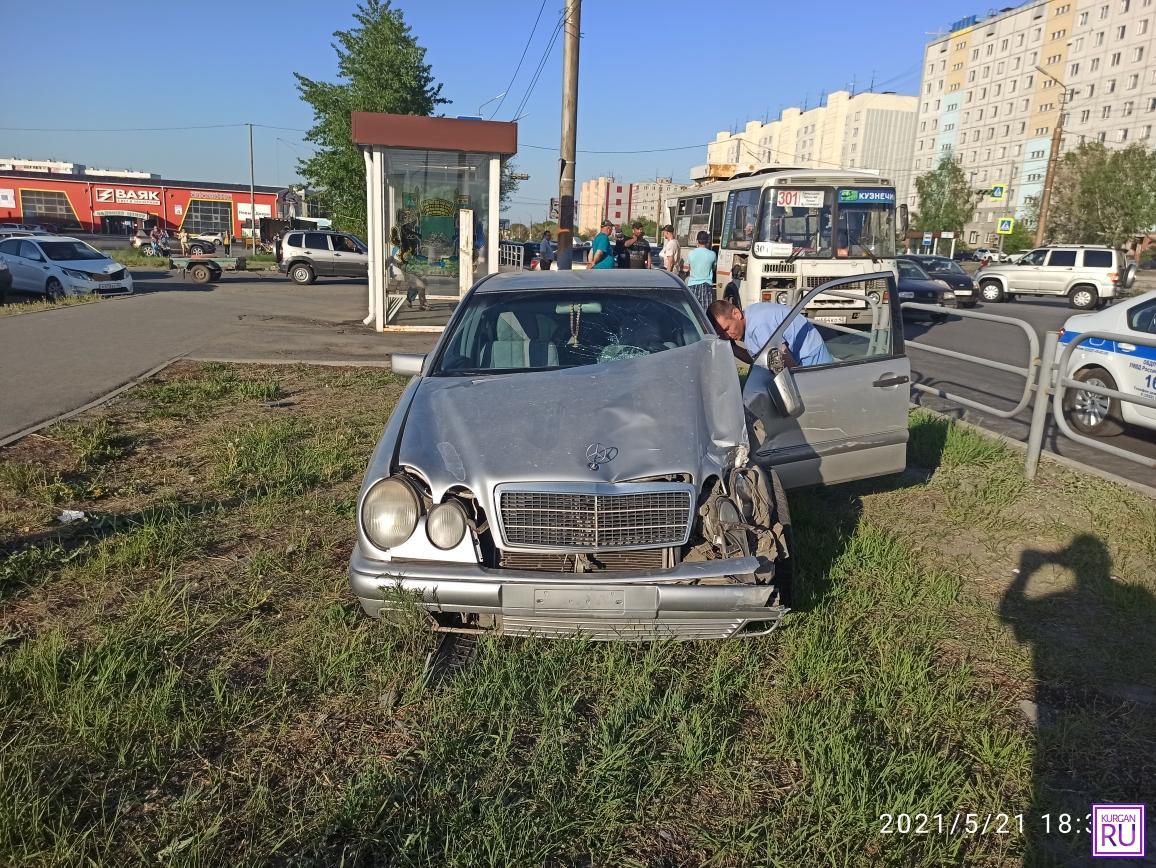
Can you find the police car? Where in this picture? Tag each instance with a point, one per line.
(1124, 366)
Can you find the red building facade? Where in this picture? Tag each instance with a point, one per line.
(124, 205)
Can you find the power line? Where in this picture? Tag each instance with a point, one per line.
(518, 68)
(541, 66)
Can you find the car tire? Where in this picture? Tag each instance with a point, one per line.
(1091, 414)
(201, 274)
(196, 249)
(1083, 297)
(991, 291)
(302, 274)
(784, 566)
(1129, 276)
(53, 289)
(146, 249)
(731, 294)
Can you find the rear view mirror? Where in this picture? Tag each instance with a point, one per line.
(785, 394)
(407, 364)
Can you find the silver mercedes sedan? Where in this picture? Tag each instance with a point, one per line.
(577, 457)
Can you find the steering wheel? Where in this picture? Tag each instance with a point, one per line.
(618, 352)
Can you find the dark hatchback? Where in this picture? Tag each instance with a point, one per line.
(919, 286)
(942, 268)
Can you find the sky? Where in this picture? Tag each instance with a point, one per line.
(653, 77)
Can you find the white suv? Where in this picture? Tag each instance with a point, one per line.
(1087, 275)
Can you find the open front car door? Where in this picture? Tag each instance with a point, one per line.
(834, 416)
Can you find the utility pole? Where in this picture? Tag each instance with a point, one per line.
(252, 196)
(1053, 156)
(569, 149)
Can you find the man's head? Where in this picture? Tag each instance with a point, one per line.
(728, 320)
(636, 228)
(668, 231)
(546, 234)
(607, 227)
(703, 239)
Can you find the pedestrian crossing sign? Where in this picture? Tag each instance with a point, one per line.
(1006, 225)
(999, 191)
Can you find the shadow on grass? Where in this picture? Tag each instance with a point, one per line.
(1093, 644)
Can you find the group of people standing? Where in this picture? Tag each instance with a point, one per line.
(634, 252)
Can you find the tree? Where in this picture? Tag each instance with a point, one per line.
(946, 199)
(1102, 196)
(519, 232)
(381, 68)
(1022, 237)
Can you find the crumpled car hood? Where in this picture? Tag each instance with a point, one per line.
(678, 411)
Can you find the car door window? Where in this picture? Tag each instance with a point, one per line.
(10, 246)
(316, 241)
(28, 250)
(911, 271)
(1141, 318)
(1036, 257)
(1062, 259)
(1097, 259)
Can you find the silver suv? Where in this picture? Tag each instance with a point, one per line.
(308, 255)
(1087, 275)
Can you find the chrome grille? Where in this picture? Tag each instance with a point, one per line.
(862, 285)
(595, 517)
(779, 268)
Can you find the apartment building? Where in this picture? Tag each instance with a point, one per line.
(57, 167)
(871, 131)
(993, 91)
(606, 197)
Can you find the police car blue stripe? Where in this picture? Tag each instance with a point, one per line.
(1106, 346)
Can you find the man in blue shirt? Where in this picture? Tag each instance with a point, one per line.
(600, 253)
(749, 330)
(702, 261)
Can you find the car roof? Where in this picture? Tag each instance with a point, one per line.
(585, 278)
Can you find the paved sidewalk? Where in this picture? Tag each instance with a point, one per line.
(54, 361)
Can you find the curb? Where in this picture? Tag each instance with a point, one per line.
(1063, 461)
(333, 363)
(107, 396)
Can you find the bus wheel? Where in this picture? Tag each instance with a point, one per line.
(731, 294)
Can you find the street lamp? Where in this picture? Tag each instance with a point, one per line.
(490, 100)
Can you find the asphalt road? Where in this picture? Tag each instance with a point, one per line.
(57, 360)
(1005, 343)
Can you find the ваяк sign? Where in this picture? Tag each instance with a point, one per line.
(123, 196)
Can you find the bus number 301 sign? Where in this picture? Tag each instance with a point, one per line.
(799, 198)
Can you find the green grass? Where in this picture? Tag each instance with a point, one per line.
(185, 679)
(17, 304)
(134, 258)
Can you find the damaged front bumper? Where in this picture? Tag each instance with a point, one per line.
(689, 601)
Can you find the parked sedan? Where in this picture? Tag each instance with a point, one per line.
(942, 268)
(573, 459)
(917, 285)
(57, 265)
(1127, 366)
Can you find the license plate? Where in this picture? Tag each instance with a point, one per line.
(907, 295)
(580, 599)
(831, 319)
(108, 286)
(963, 292)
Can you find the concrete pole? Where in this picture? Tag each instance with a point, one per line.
(465, 249)
(1049, 177)
(572, 25)
(1043, 400)
(493, 238)
(252, 196)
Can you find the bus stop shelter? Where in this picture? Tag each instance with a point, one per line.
(432, 189)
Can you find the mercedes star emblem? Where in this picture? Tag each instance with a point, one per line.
(597, 454)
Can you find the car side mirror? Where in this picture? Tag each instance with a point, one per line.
(407, 364)
(1023, 262)
(785, 394)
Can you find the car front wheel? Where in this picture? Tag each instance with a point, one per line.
(1092, 414)
(302, 275)
(53, 290)
(990, 290)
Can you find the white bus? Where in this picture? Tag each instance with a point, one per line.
(781, 231)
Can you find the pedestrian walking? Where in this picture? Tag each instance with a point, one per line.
(546, 251)
(227, 241)
(601, 253)
(621, 257)
(637, 247)
(183, 237)
(702, 262)
(671, 252)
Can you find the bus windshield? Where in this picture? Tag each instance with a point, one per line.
(865, 231)
(798, 217)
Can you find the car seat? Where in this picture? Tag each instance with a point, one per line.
(514, 347)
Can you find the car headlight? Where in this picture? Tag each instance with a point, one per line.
(446, 524)
(874, 297)
(77, 275)
(389, 512)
